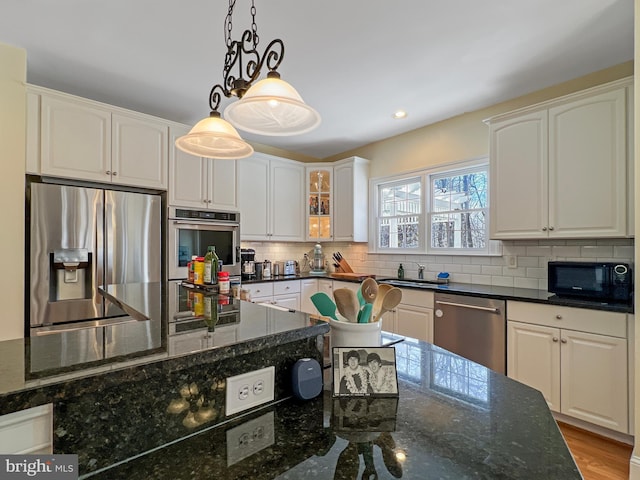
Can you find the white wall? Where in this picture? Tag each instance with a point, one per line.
(13, 71)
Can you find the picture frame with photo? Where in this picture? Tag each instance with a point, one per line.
(364, 372)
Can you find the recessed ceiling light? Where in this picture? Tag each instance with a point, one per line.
(399, 114)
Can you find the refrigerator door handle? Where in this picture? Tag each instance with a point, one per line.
(98, 261)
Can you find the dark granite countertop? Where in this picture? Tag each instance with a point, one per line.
(453, 419)
(489, 291)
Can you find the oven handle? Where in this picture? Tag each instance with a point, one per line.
(200, 222)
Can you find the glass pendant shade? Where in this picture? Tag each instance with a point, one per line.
(272, 107)
(214, 137)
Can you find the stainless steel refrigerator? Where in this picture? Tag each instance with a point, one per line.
(81, 238)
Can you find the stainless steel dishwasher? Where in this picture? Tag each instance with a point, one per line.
(472, 327)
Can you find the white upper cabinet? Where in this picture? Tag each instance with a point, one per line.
(271, 198)
(319, 202)
(196, 182)
(588, 166)
(518, 172)
(86, 140)
(559, 169)
(139, 150)
(76, 139)
(337, 200)
(351, 196)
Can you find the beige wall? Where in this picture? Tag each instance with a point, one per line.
(465, 136)
(13, 70)
(634, 470)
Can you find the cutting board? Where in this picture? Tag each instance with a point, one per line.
(352, 276)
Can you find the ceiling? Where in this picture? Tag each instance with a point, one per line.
(355, 61)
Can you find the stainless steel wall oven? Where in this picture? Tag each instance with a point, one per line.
(190, 232)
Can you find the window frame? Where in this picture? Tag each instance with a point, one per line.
(425, 175)
(421, 219)
(479, 167)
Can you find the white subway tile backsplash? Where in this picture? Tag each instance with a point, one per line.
(537, 272)
(521, 282)
(481, 279)
(539, 251)
(531, 258)
(623, 252)
(502, 281)
(565, 251)
(472, 269)
(591, 251)
(491, 270)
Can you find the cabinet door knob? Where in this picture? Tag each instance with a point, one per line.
(564, 340)
(555, 339)
(550, 228)
(204, 200)
(559, 317)
(115, 173)
(108, 172)
(208, 201)
(544, 229)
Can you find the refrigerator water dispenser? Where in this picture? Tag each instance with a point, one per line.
(70, 274)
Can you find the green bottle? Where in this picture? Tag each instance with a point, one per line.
(211, 261)
(210, 312)
(400, 272)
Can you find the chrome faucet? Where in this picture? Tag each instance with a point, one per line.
(420, 272)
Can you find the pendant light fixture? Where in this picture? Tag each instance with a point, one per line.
(269, 107)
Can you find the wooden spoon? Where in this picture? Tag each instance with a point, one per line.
(391, 300)
(369, 289)
(347, 303)
(383, 288)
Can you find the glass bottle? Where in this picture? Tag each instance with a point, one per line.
(400, 271)
(211, 262)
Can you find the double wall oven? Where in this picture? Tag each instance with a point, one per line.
(190, 232)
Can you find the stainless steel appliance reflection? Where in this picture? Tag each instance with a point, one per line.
(189, 329)
(81, 238)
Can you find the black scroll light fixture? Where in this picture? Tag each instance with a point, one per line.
(270, 106)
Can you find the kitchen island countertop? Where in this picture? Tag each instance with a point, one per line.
(165, 418)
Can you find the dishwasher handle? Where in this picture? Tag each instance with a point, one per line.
(473, 307)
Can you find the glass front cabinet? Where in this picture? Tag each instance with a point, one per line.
(319, 203)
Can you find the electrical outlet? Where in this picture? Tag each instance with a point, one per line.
(250, 437)
(250, 390)
(512, 261)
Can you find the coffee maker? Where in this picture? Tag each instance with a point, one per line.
(248, 259)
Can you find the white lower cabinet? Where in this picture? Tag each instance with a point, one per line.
(285, 294)
(27, 432)
(308, 287)
(581, 373)
(413, 317)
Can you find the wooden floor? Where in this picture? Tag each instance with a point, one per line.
(598, 458)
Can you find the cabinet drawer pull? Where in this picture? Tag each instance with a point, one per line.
(559, 317)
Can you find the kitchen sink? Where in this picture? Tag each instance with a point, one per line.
(415, 283)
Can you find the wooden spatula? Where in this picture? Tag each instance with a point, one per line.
(347, 303)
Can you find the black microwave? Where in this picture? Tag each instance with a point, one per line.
(600, 281)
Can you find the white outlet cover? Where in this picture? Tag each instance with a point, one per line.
(249, 438)
(256, 396)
